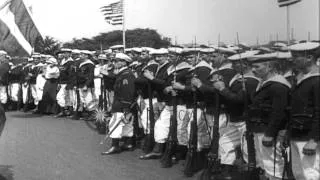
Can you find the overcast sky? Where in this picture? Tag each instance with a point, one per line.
(183, 19)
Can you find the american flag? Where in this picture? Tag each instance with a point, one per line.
(113, 13)
(283, 3)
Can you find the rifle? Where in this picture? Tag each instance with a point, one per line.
(213, 166)
(171, 145)
(76, 114)
(149, 141)
(286, 146)
(191, 165)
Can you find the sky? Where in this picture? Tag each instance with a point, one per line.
(256, 21)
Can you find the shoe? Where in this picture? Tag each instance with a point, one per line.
(112, 150)
(36, 111)
(75, 117)
(61, 114)
(152, 155)
(127, 147)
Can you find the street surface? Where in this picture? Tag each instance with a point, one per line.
(34, 147)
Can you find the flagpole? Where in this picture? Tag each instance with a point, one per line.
(124, 26)
(288, 24)
(319, 21)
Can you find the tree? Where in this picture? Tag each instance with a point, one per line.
(47, 46)
(134, 38)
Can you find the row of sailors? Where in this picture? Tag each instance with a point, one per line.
(271, 84)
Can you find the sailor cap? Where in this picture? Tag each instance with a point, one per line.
(76, 51)
(123, 56)
(102, 56)
(3, 52)
(137, 50)
(262, 57)
(307, 48)
(116, 47)
(244, 55)
(161, 51)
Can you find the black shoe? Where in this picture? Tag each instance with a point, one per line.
(127, 147)
(75, 117)
(36, 111)
(152, 155)
(112, 150)
(61, 114)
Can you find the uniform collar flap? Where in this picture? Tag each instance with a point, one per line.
(277, 78)
(238, 76)
(202, 64)
(180, 66)
(307, 76)
(150, 63)
(225, 66)
(87, 61)
(64, 61)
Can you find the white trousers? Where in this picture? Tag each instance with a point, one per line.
(33, 88)
(64, 96)
(145, 115)
(97, 87)
(118, 128)
(88, 99)
(305, 167)
(3, 94)
(231, 136)
(41, 81)
(265, 157)
(162, 125)
(13, 90)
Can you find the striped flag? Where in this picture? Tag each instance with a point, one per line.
(283, 3)
(113, 13)
(18, 32)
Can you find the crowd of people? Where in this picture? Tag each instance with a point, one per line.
(207, 106)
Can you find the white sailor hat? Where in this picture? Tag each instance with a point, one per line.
(137, 50)
(108, 51)
(64, 50)
(75, 51)
(307, 48)
(175, 50)
(52, 60)
(2, 52)
(147, 49)
(128, 50)
(262, 57)
(36, 55)
(226, 50)
(207, 50)
(189, 51)
(116, 47)
(123, 56)
(283, 55)
(245, 55)
(102, 56)
(86, 52)
(161, 51)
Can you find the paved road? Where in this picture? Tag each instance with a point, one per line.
(34, 147)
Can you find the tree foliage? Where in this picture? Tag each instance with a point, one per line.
(134, 38)
(48, 45)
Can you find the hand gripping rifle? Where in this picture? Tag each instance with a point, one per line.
(171, 145)
(191, 165)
